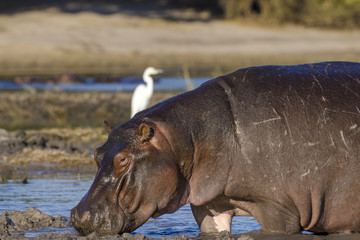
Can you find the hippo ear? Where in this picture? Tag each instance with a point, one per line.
(109, 128)
(145, 132)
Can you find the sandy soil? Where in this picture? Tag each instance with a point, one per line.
(126, 39)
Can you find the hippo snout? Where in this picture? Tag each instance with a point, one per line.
(104, 222)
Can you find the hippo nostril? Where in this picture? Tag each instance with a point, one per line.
(85, 216)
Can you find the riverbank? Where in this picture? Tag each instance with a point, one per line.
(33, 109)
(128, 39)
(48, 152)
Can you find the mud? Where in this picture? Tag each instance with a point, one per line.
(47, 151)
(29, 220)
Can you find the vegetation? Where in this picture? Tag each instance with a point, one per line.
(324, 13)
(43, 109)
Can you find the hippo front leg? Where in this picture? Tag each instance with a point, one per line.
(212, 219)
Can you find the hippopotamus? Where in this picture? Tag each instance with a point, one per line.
(279, 143)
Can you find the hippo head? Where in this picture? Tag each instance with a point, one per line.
(137, 178)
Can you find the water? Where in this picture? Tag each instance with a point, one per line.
(56, 196)
(162, 84)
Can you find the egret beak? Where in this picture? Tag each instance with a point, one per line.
(160, 71)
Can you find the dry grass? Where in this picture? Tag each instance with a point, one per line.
(37, 159)
(48, 156)
(45, 109)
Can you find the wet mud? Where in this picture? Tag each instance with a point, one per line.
(49, 151)
(15, 224)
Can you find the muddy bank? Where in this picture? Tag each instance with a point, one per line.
(15, 224)
(44, 109)
(48, 151)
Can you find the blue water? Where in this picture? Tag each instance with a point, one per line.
(161, 85)
(56, 196)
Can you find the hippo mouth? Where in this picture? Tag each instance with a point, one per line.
(109, 221)
(103, 222)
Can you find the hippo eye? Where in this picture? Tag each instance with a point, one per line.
(120, 160)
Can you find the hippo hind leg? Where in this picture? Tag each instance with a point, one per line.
(275, 218)
(212, 219)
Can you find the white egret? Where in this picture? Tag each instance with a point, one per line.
(142, 94)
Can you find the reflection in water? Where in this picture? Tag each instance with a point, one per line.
(56, 196)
